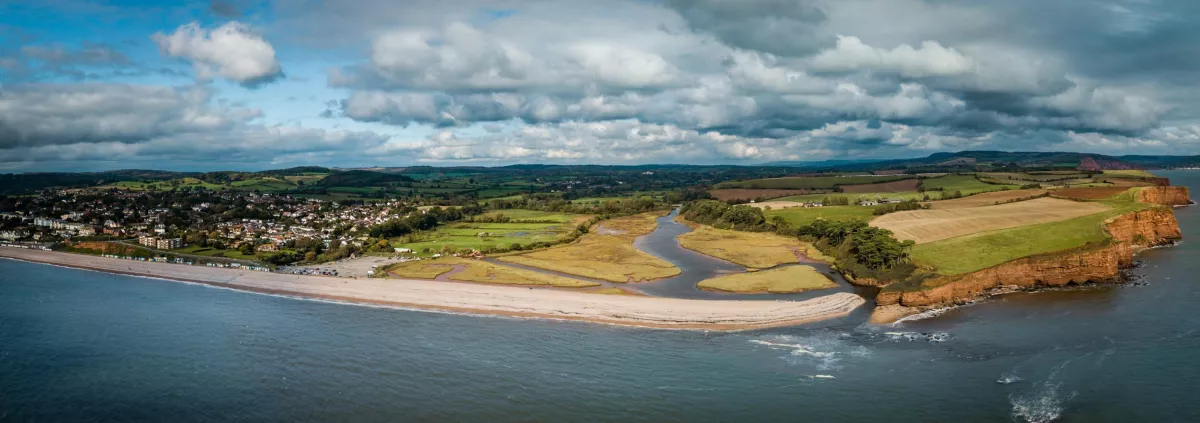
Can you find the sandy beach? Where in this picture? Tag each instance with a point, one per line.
(668, 313)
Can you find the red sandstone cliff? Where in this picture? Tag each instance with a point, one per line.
(1101, 263)
(1165, 195)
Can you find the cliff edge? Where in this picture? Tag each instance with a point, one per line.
(1128, 232)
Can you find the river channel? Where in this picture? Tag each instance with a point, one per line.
(694, 267)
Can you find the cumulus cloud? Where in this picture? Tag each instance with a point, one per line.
(233, 51)
(931, 59)
(154, 124)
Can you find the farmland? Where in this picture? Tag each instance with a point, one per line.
(1088, 193)
(606, 253)
(798, 216)
(965, 184)
(982, 250)
(987, 199)
(924, 226)
(751, 249)
(777, 281)
(903, 185)
(733, 194)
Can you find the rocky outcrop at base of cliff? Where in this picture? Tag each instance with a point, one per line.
(1101, 263)
(1165, 195)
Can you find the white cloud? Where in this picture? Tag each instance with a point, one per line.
(931, 59)
(233, 51)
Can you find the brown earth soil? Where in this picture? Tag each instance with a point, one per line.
(1130, 231)
(893, 186)
(733, 194)
(1088, 193)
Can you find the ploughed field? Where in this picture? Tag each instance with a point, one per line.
(923, 226)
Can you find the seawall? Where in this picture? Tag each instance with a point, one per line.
(1092, 263)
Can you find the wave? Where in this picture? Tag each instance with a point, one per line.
(824, 351)
(1045, 403)
(935, 337)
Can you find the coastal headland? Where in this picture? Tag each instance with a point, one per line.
(664, 313)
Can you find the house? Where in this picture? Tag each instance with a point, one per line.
(267, 247)
(817, 204)
(402, 250)
(869, 203)
(890, 201)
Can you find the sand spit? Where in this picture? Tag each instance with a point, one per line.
(666, 313)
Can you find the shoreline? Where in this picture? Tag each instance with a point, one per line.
(476, 299)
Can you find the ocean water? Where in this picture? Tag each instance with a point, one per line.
(86, 346)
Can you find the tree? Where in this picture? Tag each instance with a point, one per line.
(246, 249)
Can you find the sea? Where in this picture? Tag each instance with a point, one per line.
(77, 345)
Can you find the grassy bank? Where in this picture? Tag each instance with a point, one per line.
(782, 280)
(750, 249)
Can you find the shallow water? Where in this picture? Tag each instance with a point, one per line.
(78, 345)
(695, 267)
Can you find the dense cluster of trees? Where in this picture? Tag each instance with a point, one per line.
(722, 215)
(405, 225)
(883, 209)
(861, 250)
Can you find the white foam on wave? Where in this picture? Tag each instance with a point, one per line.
(1009, 378)
(822, 351)
(1045, 404)
(936, 337)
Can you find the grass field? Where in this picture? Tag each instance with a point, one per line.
(536, 215)
(800, 216)
(979, 251)
(781, 280)
(482, 272)
(751, 249)
(605, 253)
(924, 226)
(482, 236)
(808, 182)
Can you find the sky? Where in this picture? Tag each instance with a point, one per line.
(249, 84)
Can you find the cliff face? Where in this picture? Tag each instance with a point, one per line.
(1089, 264)
(1167, 196)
